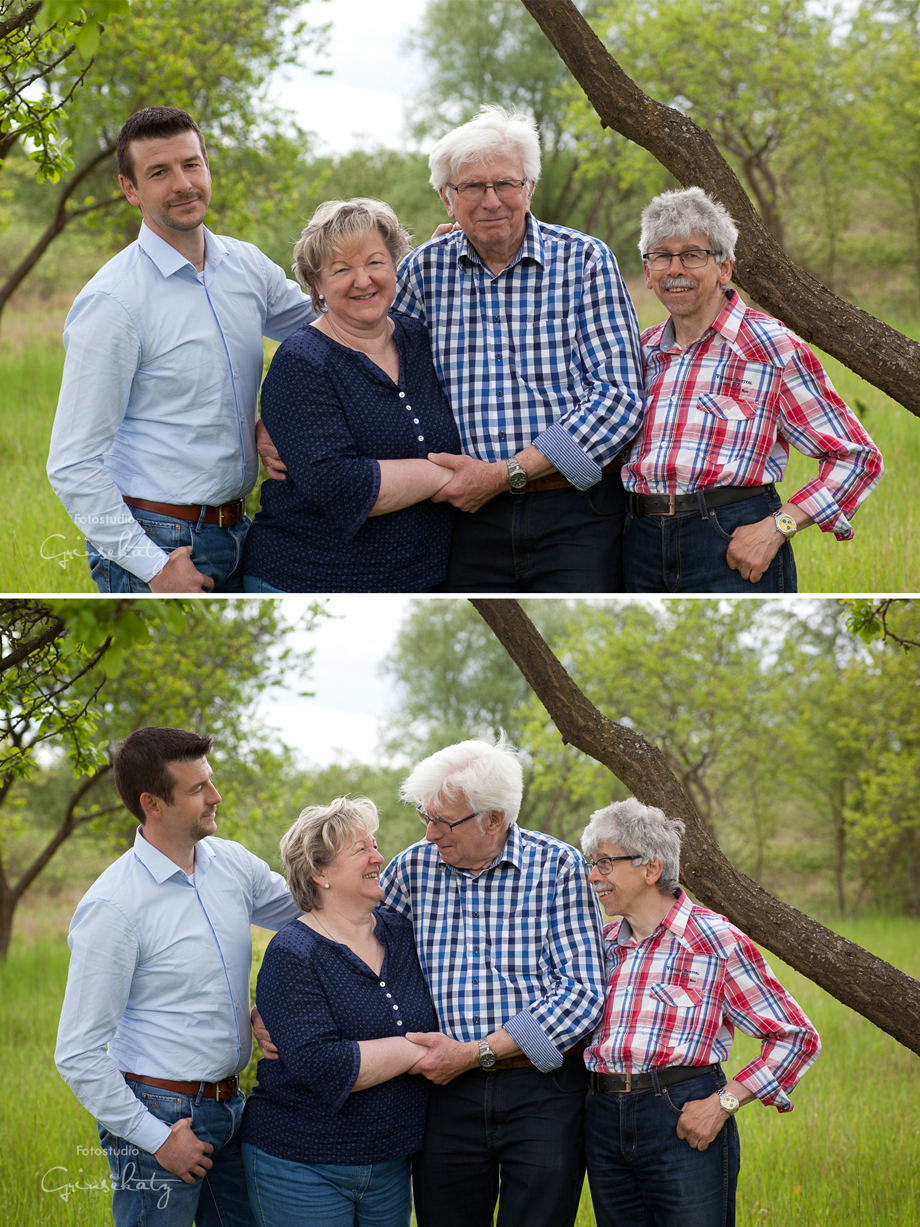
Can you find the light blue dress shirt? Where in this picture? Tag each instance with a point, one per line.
(159, 972)
(161, 385)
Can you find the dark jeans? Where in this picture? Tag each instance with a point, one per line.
(643, 1175)
(216, 552)
(519, 1126)
(687, 552)
(553, 541)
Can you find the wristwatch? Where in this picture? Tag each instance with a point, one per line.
(785, 524)
(730, 1102)
(517, 476)
(487, 1057)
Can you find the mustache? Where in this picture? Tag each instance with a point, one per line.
(678, 283)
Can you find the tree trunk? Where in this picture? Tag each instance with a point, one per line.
(880, 354)
(883, 994)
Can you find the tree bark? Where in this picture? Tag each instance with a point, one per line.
(883, 994)
(880, 354)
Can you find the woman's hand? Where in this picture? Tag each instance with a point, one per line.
(268, 453)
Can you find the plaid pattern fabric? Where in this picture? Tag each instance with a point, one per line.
(519, 946)
(725, 411)
(546, 352)
(676, 999)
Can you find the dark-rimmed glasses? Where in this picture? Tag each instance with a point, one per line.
(658, 261)
(605, 863)
(504, 189)
(442, 822)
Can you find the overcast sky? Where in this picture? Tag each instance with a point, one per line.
(363, 103)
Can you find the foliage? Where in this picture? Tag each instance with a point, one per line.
(38, 41)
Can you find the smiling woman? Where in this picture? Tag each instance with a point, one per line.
(338, 1115)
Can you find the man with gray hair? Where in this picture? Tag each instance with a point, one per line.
(660, 1134)
(728, 391)
(509, 939)
(536, 344)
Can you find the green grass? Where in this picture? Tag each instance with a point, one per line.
(846, 1157)
(42, 551)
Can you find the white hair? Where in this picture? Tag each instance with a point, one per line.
(678, 214)
(643, 830)
(494, 131)
(487, 777)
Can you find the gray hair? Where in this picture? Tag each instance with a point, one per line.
(643, 830)
(339, 224)
(492, 132)
(677, 215)
(317, 837)
(488, 777)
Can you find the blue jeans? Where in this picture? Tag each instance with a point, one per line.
(144, 1194)
(216, 552)
(252, 583)
(519, 1129)
(553, 541)
(288, 1194)
(687, 552)
(643, 1175)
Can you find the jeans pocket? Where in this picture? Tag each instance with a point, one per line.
(165, 533)
(165, 1107)
(714, 522)
(667, 1099)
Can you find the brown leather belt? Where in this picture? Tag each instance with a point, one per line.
(522, 1062)
(227, 1089)
(675, 504)
(224, 516)
(555, 481)
(623, 1084)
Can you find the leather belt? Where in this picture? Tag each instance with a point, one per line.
(522, 1062)
(555, 481)
(622, 1084)
(674, 504)
(224, 516)
(226, 1089)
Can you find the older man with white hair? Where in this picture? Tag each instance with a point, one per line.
(660, 1134)
(508, 936)
(536, 344)
(728, 391)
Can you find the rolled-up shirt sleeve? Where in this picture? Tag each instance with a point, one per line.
(295, 1008)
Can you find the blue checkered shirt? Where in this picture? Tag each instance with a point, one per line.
(520, 946)
(545, 352)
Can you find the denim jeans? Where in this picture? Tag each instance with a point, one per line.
(216, 552)
(687, 552)
(519, 1128)
(288, 1194)
(144, 1194)
(643, 1175)
(553, 541)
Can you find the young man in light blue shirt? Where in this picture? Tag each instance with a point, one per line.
(155, 1027)
(153, 446)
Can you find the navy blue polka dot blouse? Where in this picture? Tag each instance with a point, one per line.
(317, 999)
(332, 414)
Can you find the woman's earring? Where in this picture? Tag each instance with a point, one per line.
(326, 884)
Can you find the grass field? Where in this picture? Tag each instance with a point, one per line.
(846, 1157)
(42, 551)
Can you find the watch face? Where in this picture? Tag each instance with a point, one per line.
(786, 524)
(487, 1060)
(729, 1101)
(517, 480)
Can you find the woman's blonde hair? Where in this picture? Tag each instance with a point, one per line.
(338, 224)
(316, 839)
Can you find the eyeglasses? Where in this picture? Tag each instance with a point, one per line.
(658, 261)
(442, 822)
(604, 863)
(504, 189)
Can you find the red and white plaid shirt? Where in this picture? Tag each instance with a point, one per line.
(724, 412)
(677, 997)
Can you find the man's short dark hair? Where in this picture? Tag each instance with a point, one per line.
(151, 124)
(141, 764)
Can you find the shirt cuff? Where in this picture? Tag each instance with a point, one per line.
(557, 445)
(534, 1042)
(763, 1084)
(150, 1133)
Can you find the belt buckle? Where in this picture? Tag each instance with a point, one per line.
(628, 1074)
(220, 513)
(672, 505)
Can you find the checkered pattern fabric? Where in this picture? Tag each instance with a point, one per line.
(517, 947)
(677, 997)
(724, 412)
(545, 352)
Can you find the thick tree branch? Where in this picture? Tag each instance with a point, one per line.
(880, 354)
(883, 994)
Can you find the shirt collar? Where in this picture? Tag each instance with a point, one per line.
(169, 261)
(161, 868)
(530, 249)
(676, 920)
(727, 323)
